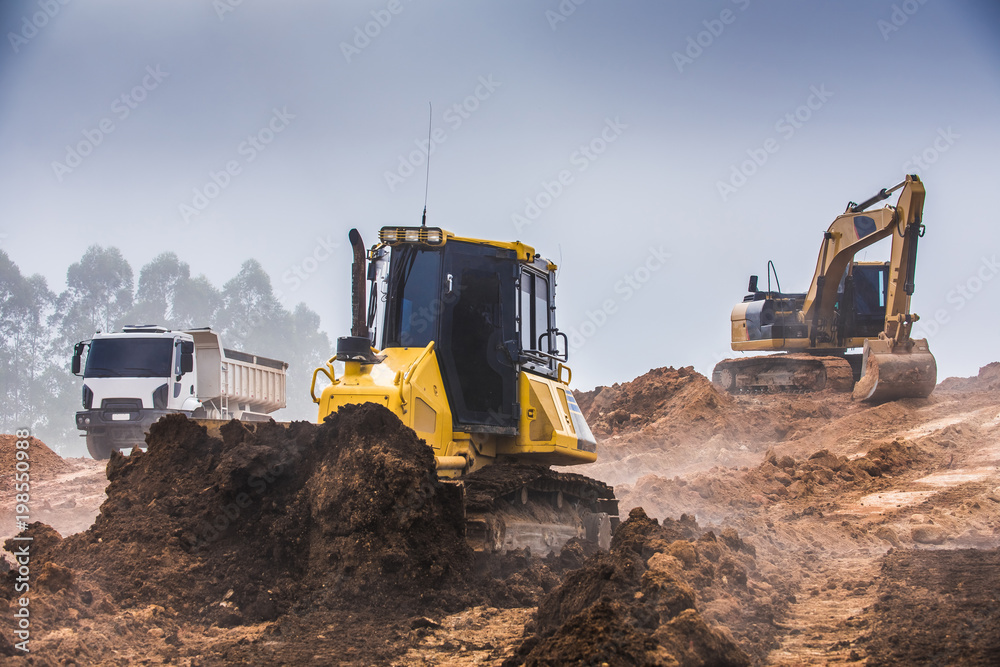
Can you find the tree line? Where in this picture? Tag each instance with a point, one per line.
(38, 329)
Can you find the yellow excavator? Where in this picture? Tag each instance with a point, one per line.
(458, 338)
(849, 304)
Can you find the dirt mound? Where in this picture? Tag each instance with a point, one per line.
(639, 604)
(268, 517)
(677, 421)
(681, 394)
(37, 464)
(42, 460)
(987, 380)
(937, 607)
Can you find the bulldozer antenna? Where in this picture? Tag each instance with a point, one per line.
(427, 178)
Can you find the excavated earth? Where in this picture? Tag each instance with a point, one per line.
(759, 529)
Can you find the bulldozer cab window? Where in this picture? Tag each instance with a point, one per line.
(477, 346)
(534, 319)
(414, 289)
(377, 295)
(475, 329)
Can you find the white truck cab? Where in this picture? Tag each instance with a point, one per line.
(132, 378)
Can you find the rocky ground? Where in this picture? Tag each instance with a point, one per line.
(781, 530)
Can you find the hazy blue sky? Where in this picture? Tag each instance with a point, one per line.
(668, 96)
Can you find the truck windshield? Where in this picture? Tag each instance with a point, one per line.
(129, 357)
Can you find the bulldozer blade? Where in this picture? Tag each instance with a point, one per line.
(896, 373)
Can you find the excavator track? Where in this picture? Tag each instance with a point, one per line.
(514, 506)
(784, 373)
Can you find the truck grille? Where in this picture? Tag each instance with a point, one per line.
(119, 406)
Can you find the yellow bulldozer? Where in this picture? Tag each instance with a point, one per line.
(457, 337)
(849, 304)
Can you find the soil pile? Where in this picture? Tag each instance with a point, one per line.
(680, 395)
(987, 380)
(38, 464)
(42, 460)
(639, 604)
(937, 608)
(676, 420)
(268, 517)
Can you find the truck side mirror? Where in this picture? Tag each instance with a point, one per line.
(187, 357)
(77, 354)
(753, 284)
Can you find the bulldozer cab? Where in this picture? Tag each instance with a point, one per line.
(489, 309)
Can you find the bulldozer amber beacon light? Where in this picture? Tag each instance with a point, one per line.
(427, 235)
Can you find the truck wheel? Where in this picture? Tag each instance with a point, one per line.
(99, 447)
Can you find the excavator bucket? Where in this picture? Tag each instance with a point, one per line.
(896, 372)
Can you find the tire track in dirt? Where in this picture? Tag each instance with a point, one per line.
(833, 626)
(824, 628)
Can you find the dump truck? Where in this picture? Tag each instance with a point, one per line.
(850, 304)
(134, 377)
(457, 336)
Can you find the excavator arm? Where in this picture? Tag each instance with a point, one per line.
(855, 230)
(893, 365)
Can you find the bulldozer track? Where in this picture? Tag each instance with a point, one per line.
(511, 506)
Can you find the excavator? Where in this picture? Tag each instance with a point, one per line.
(850, 304)
(457, 337)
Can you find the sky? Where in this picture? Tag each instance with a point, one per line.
(659, 152)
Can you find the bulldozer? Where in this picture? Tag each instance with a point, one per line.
(850, 304)
(457, 337)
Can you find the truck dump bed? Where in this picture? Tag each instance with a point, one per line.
(233, 383)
